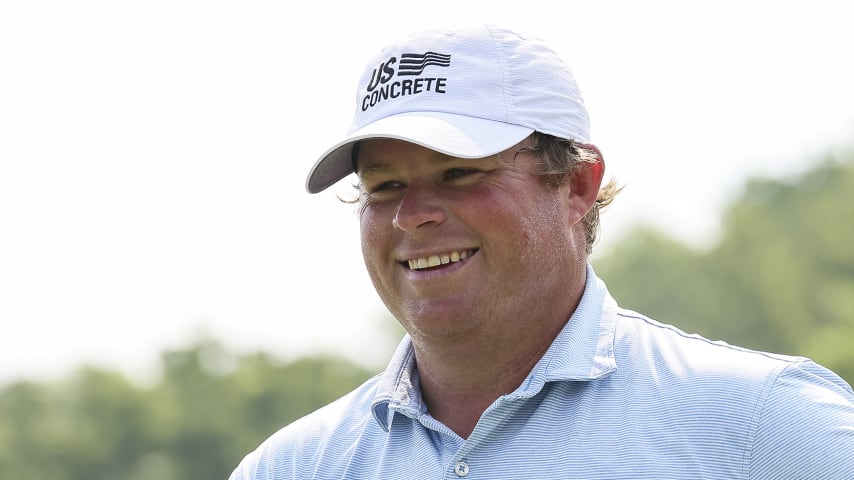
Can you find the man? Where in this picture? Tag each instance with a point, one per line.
(479, 201)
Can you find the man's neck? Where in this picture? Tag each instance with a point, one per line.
(459, 382)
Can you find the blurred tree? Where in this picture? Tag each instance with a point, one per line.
(781, 278)
(208, 410)
(86, 427)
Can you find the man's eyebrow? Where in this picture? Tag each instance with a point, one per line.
(373, 169)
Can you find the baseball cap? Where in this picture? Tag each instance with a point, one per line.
(467, 92)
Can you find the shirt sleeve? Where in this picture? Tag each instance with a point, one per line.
(805, 427)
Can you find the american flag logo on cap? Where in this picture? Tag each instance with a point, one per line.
(414, 64)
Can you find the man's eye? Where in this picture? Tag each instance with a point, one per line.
(385, 186)
(455, 173)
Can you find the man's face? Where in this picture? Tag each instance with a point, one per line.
(459, 247)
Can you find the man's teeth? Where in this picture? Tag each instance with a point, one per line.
(436, 260)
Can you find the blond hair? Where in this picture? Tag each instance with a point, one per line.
(559, 160)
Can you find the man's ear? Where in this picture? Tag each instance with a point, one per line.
(585, 182)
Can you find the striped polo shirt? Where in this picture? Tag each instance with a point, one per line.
(616, 396)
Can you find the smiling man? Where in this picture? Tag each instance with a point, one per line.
(480, 196)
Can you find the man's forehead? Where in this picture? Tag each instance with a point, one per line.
(376, 155)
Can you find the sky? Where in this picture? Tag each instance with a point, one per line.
(153, 154)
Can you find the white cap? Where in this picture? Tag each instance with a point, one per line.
(470, 92)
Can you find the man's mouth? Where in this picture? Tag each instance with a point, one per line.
(437, 260)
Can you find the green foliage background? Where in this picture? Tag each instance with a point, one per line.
(208, 410)
(781, 278)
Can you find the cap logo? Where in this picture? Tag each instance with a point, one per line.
(383, 84)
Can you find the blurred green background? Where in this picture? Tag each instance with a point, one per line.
(780, 277)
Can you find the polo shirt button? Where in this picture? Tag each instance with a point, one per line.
(461, 469)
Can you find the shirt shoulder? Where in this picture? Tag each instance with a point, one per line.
(784, 416)
(667, 348)
(805, 427)
(327, 432)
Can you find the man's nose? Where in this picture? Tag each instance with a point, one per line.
(420, 206)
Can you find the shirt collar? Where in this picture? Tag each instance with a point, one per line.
(582, 351)
(399, 388)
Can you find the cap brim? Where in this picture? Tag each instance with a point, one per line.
(456, 135)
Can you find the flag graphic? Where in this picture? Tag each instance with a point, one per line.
(414, 64)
